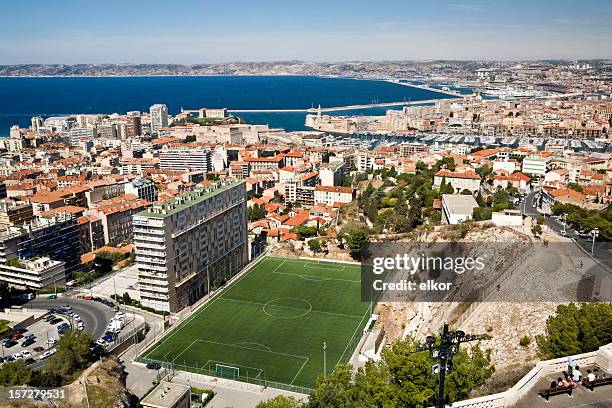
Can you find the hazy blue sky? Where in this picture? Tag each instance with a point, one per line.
(189, 31)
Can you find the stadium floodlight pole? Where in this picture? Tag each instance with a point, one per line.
(444, 351)
(324, 359)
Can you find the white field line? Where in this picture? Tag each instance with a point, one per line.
(296, 308)
(316, 278)
(351, 339)
(202, 309)
(301, 368)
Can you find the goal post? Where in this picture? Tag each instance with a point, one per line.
(227, 371)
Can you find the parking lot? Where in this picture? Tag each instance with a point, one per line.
(37, 342)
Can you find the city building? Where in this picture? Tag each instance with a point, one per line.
(189, 243)
(460, 181)
(457, 208)
(116, 215)
(142, 188)
(56, 237)
(534, 165)
(333, 195)
(133, 124)
(159, 117)
(186, 158)
(15, 213)
(332, 174)
(34, 274)
(168, 395)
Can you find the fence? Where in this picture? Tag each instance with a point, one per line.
(203, 374)
(127, 338)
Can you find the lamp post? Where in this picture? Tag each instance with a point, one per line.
(594, 234)
(444, 351)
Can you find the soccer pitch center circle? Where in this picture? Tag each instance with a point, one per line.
(287, 308)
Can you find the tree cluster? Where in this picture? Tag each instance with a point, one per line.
(403, 378)
(576, 329)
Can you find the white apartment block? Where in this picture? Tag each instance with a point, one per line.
(330, 195)
(159, 117)
(332, 175)
(34, 273)
(189, 243)
(534, 165)
(188, 158)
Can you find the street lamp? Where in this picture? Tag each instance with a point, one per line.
(444, 351)
(594, 234)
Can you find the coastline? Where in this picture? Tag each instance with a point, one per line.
(435, 93)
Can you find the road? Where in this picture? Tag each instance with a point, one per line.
(95, 316)
(602, 251)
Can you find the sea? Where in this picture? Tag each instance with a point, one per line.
(24, 97)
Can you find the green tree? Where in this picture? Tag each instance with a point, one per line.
(305, 232)
(256, 212)
(73, 354)
(576, 329)
(190, 139)
(537, 230)
(280, 402)
(421, 166)
(576, 187)
(15, 373)
(483, 171)
(482, 213)
(357, 242)
(314, 245)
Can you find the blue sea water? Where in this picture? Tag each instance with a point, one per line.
(22, 98)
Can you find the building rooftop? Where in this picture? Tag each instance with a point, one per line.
(459, 204)
(184, 201)
(165, 395)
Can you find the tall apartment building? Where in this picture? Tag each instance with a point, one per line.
(133, 124)
(186, 158)
(185, 245)
(159, 117)
(56, 237)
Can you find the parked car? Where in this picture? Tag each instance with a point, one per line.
(153, 366)
(55, 321)
(52, 297)
(29, 336)
(76, 316)
(17, 355)
(48, 318)
(26, 354)
(10, 343)
(16, 336)
(27, 342)
(51, 342)
(46, 354)
(38, 349)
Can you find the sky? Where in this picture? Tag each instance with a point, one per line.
(204, 31)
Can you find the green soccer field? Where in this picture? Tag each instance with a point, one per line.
(271, 323)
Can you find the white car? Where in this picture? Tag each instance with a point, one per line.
(51, 342)
(76, 317)
(101, 342)
(26, 354)
(17, 355)
(120, 315)
(47, 354)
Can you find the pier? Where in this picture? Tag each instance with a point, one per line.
(341, 108)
